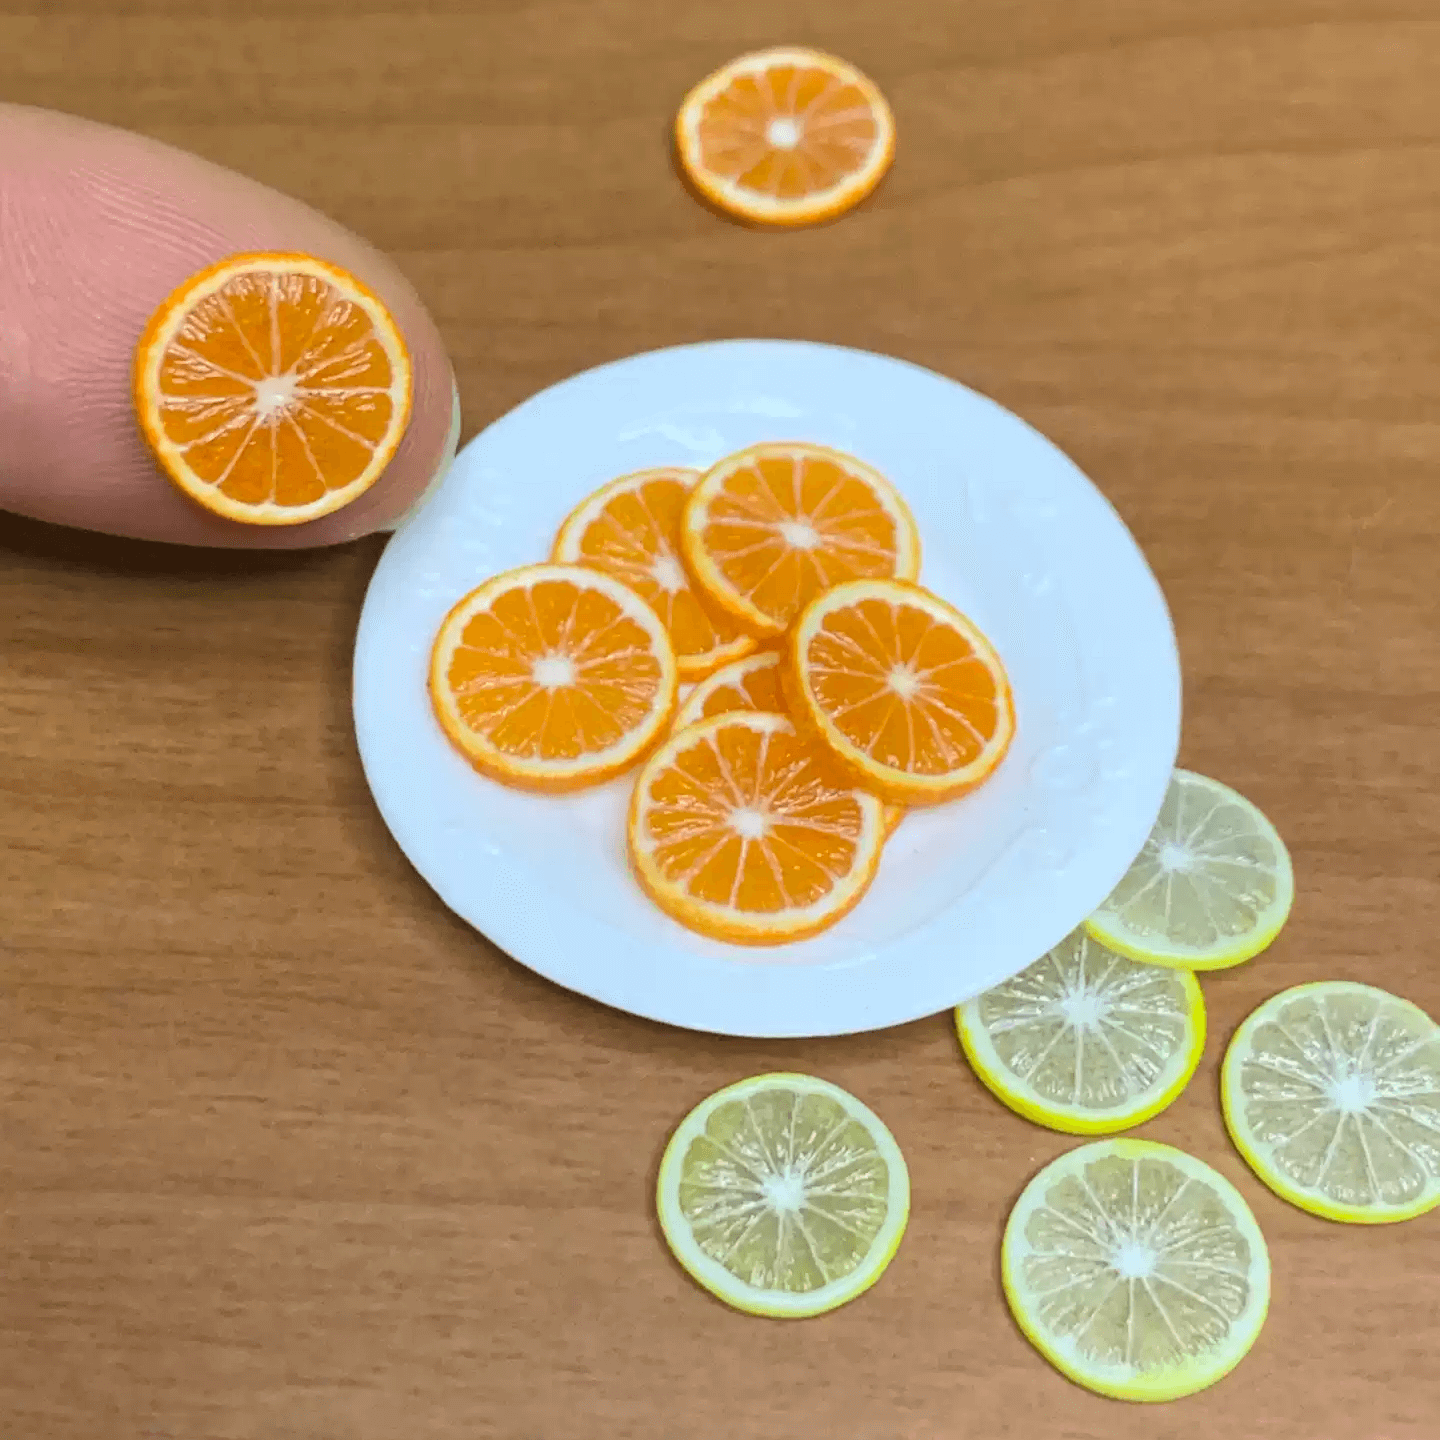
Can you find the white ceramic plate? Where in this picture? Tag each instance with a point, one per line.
(967, 894)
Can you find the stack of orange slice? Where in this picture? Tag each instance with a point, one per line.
(831, 690)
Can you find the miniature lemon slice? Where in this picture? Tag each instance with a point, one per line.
(783, 1195)
(1331, 1092)
(1136, 1270)
(1211, 888)
(1085, 1040)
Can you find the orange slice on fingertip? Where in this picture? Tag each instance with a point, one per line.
(787, 136)
(630, 529)
(273, 388)
(904, 691)
(553, 677)
(770, 527)
(741, 830)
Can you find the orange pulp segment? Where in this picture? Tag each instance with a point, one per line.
(768, 528)
(749, 684)
(553, 677)
(740, 829)
(785, 137)
(273, 388)
(630, 529)
(901, 688)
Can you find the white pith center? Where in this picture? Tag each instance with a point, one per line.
(274, 395)
(904, 681)
(783, 132)
(553, 671)
(749, 823)
(667, 574)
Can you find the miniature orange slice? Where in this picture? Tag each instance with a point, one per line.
(749, 684)
(630, 529)
(273, 388)
(742, 830)
(769, 528)
(553, 677)
(901, 688)
(785, 137)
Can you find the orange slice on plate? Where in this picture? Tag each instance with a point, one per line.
(901, 688)
(553, 677)
(741, 830)
(767, 529)
(749, 684)
(785, 137)
(630, 529)
(273, 388)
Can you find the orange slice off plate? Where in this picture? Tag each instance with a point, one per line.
(785, 137)
(273, 388)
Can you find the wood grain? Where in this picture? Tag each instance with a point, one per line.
(290, 1154)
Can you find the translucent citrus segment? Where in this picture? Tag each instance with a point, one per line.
(1331, 1092)
(769, 528)
(741, 830)
(1136, 1270)
(1084, 1040)
(783, 1195)
(553, 677)
(1211, 888)
(630, 529)
(902, 688)
(273, 388)
(785, 137)
(749, 684)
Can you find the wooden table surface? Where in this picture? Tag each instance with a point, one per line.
(288, 1153)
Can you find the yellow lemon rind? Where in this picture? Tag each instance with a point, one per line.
(1231, 1108)
(1075, 1120)
(1182, 1380)
(1220, 957)
(728, 1288)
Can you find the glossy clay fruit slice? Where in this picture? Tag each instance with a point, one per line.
(901, 688)
(1331, 1092)
(1086, 1041)
(739, 830)
(749, 684)
(768, 528)
(273, 388)
(630, 529)
(1136, 1270)
(1211, 888)
(785, 137)
(553, 677)
(783, 1195)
